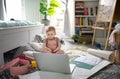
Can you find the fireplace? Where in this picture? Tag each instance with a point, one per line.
(9, 55)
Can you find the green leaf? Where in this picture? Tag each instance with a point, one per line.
(51, 10)
(55, 4)
(43, 9)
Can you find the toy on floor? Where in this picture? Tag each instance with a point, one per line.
(98, 45)
(84, 42)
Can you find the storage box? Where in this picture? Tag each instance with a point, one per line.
(85, 38)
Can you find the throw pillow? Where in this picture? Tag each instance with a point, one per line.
(36, 46)
(39, 38)
(29, 54)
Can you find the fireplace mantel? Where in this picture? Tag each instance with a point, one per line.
(11, 38)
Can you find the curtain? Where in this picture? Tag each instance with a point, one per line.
(2, 9)
(66, 21)
(69, 18)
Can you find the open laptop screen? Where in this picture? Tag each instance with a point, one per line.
(53, 62)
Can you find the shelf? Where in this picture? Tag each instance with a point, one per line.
(86, 38)
(86, 0)
(85, 15)
(102, 28)
(83, 26)
(102, 21)
(87, 31)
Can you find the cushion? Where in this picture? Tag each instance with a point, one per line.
(29, 54)
(39, 38)
(36, 46)
(21, 49)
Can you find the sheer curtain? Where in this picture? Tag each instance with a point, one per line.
(2, 9)
(14, 9)
(10, 9)
(69, 18)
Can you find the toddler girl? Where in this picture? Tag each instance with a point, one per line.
(51, 43)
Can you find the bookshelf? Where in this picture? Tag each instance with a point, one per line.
(85, 16)
(107, 16)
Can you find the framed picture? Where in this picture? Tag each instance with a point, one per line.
(105, 10)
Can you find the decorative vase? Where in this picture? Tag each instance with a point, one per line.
(46, 22)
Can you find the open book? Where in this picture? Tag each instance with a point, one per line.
(90, 58)
(90, 62)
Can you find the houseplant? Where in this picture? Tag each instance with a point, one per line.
(75, 37)
(48, 8)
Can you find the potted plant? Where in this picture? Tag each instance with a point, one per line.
(48, 9)
(75, 37)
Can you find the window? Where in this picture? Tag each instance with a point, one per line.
(14, 9)
(58, 19)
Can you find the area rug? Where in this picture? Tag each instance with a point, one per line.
(112, 71)
(81, 48)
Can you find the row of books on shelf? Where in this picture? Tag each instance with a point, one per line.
(86, 11)
(85, 29)
(83, 32)
(81, 9)
(86, 21)
(79, 3)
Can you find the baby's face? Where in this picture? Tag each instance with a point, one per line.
(50, 34)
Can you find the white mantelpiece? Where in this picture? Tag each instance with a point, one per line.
(11, 38)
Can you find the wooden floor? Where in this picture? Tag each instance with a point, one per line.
(69, 43)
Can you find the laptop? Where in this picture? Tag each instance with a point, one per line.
(54, 62)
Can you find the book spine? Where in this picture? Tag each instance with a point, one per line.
(79, 8)
(94, 11)
(89, 11)
(81, 21)
(85, 11)
(86, 21)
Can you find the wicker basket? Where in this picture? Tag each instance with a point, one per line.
(117, 57)
(117, 54)
(117, 37)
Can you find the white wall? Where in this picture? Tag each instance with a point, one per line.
(31, 10)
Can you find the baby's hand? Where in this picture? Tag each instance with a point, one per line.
(49, 49)
(54, 50)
